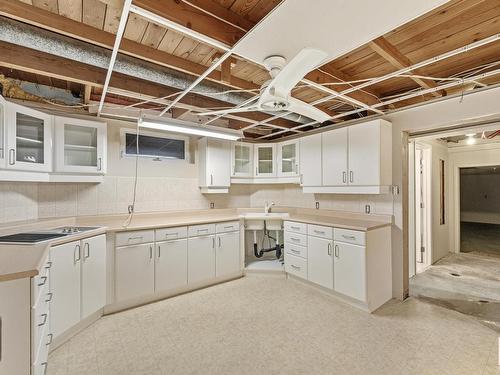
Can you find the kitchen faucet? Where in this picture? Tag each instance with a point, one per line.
(267, 207)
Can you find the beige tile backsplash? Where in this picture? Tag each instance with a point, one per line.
(26, 201)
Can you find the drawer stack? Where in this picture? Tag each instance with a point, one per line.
(41, 337)
(296, 249)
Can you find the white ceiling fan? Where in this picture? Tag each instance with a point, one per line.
(275, 94)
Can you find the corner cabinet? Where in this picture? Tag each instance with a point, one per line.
(80, 146)
(214, 165)
(29, 139)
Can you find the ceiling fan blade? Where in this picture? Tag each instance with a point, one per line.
(305, 61)
(307, 110)
(229, 111)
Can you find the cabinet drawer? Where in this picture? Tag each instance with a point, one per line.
(349, 236)
(230, 226)
(176, 233)
(201, 230)
(40, 281)
(297, 250)
(320, 231)
(40, 358)
(295, 239)
(135, 237)
(296, 266)
(40, 323)
(292, 226)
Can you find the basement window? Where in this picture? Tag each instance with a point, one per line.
(154, 145)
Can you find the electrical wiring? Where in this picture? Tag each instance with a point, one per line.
(131, 208)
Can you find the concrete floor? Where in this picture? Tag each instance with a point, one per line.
(270, 325)
(480, 237)
(465, 282)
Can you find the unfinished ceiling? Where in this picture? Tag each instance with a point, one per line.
(395, 70)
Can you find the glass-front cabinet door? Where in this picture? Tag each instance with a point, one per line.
(29, 139)
(288, 159)
(264, 160)
(242, 156)
(80, 146)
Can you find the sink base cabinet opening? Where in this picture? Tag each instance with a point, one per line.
(353, 265)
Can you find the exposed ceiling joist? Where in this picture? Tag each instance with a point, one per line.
(390, 53)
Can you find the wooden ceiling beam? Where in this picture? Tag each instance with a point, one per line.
(50, 21)
(193, 18)
(390, 53)
(28, 60)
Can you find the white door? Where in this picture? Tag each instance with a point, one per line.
(134, 271)
(350, 270)
(227, 254)
(219, 165)
(265, 160)
(242, 157)
(29, 139)
(3, 122)
(320, 261)
(171, 264)
(201, 259)
(335, 157)
(93, 274)
(288, 159)
(310, 160)
(364, 154)
(80, 145)
(65, 276)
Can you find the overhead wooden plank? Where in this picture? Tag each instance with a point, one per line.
(153, 35)
(226, 70)
(44, 19)
(243, 7)
(400, 61)
(112, 19)
(58, 68)
(71, 9)
(94, 12)
(50, 5)
(192, 18)
(135, 28)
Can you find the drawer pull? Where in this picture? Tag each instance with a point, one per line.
(203, 230)
(295, 251)
(295, 239)
(49, 297)
(229, 227)
(44, 316)
(349, 237)
(176, 234)
(135, 238)
(295, 228)
(50, 336)
(319, 231)
(44, 280)
(48, 265)
(295, 267)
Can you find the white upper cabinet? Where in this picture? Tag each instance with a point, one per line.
(242, 160)
(29, 139)
(335, 169)
(310, 160)
(214, 165)
(80, 146)
(265, 160)
(3, 110)
(288, 158)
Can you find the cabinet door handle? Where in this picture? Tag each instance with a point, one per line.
(344, 177)
(150, 252)
(86, 245)
(77, 251)
(351, 176)
(337, 251)
(49, 295)
(50, 337)
(329, 248)
(159, 251)
(99, 167)
(211, 179)
(219, 243)
(12, 156)
(48, 265)
(44, 316)
(256, 171)
(44, 280)
(213, 243)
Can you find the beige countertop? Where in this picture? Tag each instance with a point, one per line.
(20, 261)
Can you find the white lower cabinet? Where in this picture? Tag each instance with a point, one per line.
(227, 255)
(65, 285)
(134, 271)
(77, 281)
(320, 261)
(201, 259)
(350, 270)
(171, 268)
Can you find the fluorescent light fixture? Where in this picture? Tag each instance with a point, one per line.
(184, 127)
(470, 135)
